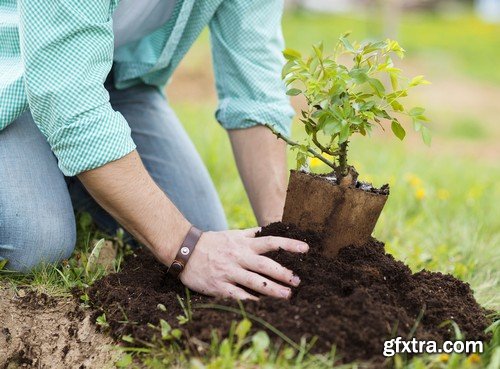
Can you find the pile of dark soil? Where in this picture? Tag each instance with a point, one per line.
(355, 301)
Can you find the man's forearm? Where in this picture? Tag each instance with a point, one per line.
(125, 189)
(261, 160)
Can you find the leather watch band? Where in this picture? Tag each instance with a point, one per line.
(185, 251)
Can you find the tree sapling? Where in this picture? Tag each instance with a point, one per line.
(341, 101)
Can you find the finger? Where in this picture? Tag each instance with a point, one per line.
(268, 267)
(270, 243)
(234, 292)
(261, 284)
(250, 232)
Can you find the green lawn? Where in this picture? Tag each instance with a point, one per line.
(443, 211)
(454, 40)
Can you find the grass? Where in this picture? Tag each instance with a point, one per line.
(459, 41)
(442, 213)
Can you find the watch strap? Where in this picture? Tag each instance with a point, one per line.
(185, 251)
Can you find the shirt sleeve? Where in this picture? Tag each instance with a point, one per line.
(67, 52)
(247, 42)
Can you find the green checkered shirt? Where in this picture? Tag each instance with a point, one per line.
(55, 56)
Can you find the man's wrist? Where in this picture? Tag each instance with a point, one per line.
(184, 253)
(167, 249)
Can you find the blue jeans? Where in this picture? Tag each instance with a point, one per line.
(37, 202)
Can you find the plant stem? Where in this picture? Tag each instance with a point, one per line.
(320, 146)
(342, 169)
(293, 143)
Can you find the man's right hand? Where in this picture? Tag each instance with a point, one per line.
(222, 262)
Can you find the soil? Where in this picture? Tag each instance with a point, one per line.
(354, 301)
(39, 331)
(364, 186)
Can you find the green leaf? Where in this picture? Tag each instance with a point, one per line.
(371, 47)
(125, 361)
(287, 68)
(416, 111)
(293, 92)
(318, 50)
(291, 54)
(382, 114)
(398, 129)
(359, 75)
(94, 256)
(418, 80)
(396, 48)
(377, 86)
(3, 263)
(426, 135)
(421, 118)
(397, 106)
(347, 44)
(176, 333)
(242, 329)
(301, 160)
(165, 329)
(367, 106)
(101, 320)
(332, 127)
(182, 319)
(260, 341)
(128, 338)
(344, 133)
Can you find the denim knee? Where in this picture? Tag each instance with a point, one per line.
(28, 243)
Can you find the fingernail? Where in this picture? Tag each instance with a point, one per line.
(295, 280)
(285, 293)
(303, 247)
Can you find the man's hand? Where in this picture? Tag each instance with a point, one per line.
(261, 160)
(220, 260)
(223, 261)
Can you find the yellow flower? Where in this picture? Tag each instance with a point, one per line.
(420, 193)
(315, 162)
(443, 194)
(474, 359)
(413, 180)
(444, 358)
(475, 193)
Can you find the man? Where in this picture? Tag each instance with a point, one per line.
(84, 125)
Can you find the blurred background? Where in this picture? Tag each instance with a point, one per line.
(443, 212)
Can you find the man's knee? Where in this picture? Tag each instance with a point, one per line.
(27, 244)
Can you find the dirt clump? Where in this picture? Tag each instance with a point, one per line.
(40, 331)
(354, 301)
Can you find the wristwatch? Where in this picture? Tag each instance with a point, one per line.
(185, 251)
